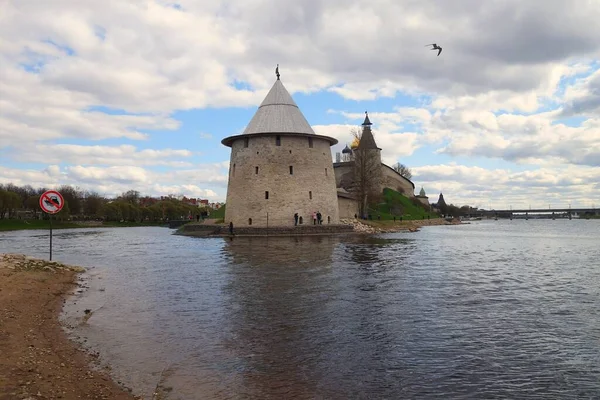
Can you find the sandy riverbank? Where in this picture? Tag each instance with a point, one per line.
(37, 359)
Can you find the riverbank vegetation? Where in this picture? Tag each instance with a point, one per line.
(19, 209)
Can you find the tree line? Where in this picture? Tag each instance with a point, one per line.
(81, 205)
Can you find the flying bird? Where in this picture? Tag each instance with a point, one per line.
(435, 47)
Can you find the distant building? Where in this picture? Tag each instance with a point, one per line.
(422, 197)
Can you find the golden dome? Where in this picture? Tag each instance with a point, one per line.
(355, 143)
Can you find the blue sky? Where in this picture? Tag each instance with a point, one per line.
(111, 97)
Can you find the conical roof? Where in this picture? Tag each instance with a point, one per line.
(367, 121)
(367, 141)
(278, 113)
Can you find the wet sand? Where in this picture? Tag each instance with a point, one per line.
(37, 360)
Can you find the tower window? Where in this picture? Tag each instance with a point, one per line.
(325, 171)
(277, 140)
(256, 170)
(246, 142)
(291, 170)
(310, 142)
(249, 221)
(233, 170)
(310, 194)
(267, 194)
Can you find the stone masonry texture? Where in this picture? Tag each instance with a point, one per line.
(313, 174)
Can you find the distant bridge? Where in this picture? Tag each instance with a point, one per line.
(549, 210)
(541, 212)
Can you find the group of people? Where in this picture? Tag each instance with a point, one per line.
(316, 217)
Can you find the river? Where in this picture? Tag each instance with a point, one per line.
(491, 309)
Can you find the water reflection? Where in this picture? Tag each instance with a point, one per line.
(508, 310)
(275, 298)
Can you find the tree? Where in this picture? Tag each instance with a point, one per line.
(72, 196)
(131, 196)
(367, 174)
(9, 203)
(33, 203)
(93, 204)
(402, 170)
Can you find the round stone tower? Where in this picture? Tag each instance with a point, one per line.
(280, 167)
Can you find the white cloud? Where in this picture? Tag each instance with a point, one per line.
(498, 90)
(205, 180)
(101, 155)
(503, 188)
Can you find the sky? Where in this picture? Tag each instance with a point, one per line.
(115, 95)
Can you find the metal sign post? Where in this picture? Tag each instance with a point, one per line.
(51, 202)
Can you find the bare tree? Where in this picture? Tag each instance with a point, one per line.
(367, 175)
(402, 170)
(356, 133)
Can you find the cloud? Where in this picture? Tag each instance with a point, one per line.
(502, 188)
(205, 180)
(82, 80)
(584, 97)
(101, 155)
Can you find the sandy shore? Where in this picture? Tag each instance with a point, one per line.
(37, 359)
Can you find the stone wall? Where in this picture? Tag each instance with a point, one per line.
(397, 182)
(222, 230)
(424, 200)
(347, 207)
(390, 178)
(309, 189)
(342, 169)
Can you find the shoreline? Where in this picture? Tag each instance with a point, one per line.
(346, 227)
(38, 359)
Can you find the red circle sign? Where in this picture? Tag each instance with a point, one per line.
(51, 202)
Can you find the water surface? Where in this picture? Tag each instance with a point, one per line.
(494, 309)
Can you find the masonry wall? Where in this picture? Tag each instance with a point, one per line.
(395, 181)
(390, 178)
(348, 207)
(313, 176)
(424, 200)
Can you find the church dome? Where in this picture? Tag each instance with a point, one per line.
(347, 150)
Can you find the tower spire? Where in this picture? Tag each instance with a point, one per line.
(367, 141)
(277, 71)
(367, 120)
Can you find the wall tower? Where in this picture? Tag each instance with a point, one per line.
(279, 167)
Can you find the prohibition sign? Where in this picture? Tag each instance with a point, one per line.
(51, 202)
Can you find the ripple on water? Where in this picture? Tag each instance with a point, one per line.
(487, 310)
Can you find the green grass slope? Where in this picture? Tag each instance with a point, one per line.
(398, 205)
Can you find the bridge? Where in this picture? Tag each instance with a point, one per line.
(541, 213)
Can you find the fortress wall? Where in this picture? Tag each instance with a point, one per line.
(424, 200)
(347, 207)
(395, 181)
(288, 193)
